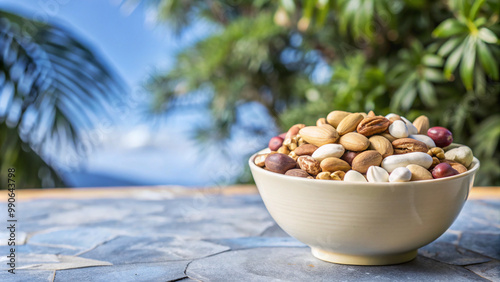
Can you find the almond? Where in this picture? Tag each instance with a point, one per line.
(370, 114)
(335, 117)
(408, 145)
(321, 121)
(422, 124)
(373, 125)
(363, 161)
(334, 164)
(319, 135)
(297, 172)
(353, 141)
(349, 123)
(381, 144)
(419, 172)
(305, 149)
(388, 136)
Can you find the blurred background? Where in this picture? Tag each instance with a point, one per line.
(165, 92)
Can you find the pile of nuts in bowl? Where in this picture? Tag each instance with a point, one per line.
(364, 147)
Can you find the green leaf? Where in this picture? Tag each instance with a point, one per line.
(402, 91)
(490, 65)
(480, 22)
(453, 60)
(434, 75)
(432, 60)
(487, 35)
(427, 93)
(408, 99)
(475, 8)
(449, 28)
(449, 45)
(467, 65)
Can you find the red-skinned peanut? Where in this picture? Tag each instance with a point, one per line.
(275, 143)
(440, 135)
(443, 170)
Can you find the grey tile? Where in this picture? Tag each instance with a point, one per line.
(451, 254)
(79, 237)
(489, 270)
(297, 264)
(485, 243)
(130, 272)
(476, 215)
(258, 242)
(127, 249)
(23, 275)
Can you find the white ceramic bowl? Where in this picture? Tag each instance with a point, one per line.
(363, 223)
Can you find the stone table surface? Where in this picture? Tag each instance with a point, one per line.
(213, 234)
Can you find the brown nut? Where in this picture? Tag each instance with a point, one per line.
(294, 130)
(436, 152)
(279, 163)
(297, 172)
(422, 124)
(321, 121)
(319, 135)
(325, 175)
(419, 172)
(333, 164)
(338, 175)
(293, 155)
(435, 162)
(373, 125)
(348, 156)
(370, 114)
(353, 141)
(309, 164)
(363, 161)
(388, 136)
(335, 117)
(455, 165)
(305, 149)
(381, 145)
(260, 160)
(408, 145)
(349, 123)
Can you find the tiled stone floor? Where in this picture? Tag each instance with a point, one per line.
(210, 237)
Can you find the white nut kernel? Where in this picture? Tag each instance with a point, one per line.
(327, 151)
(377, 174)
(424, 138)
(400, 174)
(411, 128)
(461, 155)
(390, 163)
(354, 176)
(398, 129)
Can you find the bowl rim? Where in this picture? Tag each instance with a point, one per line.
(475, 166)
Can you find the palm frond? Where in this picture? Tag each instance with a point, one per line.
(63, 88)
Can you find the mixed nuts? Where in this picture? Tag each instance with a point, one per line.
(361, 147)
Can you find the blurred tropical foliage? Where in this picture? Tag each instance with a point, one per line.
(53, 89)
(302, 59)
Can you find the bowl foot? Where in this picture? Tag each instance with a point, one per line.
(363, 259)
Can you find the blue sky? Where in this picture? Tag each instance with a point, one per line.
(124, 38)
